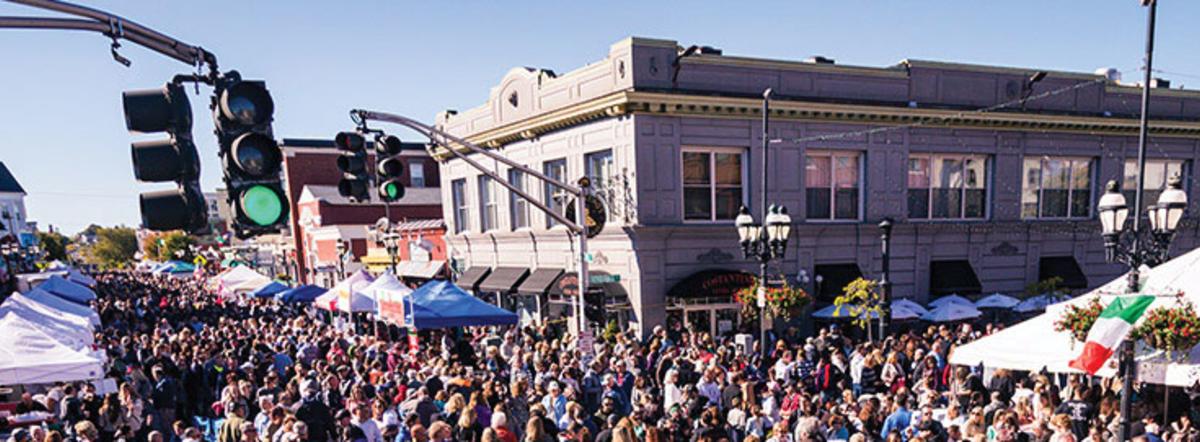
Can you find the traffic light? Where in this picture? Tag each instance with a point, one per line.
(243, 111)
(388, 167)
(353, 163)
(593, 306)
(172, 159)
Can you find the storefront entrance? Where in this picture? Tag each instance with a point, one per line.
(703, 302)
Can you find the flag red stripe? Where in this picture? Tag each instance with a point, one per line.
(1092, 358)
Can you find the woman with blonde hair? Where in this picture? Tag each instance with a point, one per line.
(1061, 424)
(132, 406)
(468, 428)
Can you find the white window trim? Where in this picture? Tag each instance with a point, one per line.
(987, 189)
(411, 176)
(484, 184)
(712, 185)
(514, 199)
(1092, 166)
(862, 163)
(1185, 166)
(462, 222)
(548, 191)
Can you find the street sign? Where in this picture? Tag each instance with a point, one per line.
(603, 279)
(589, 257)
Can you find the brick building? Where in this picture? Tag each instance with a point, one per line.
(320, 217)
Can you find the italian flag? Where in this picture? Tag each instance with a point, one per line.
(1113, 325)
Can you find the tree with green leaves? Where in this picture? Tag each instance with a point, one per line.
(54, 244)
(114, 247)
(860, 300)
(169, 245)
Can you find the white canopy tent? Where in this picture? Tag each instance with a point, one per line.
(68, 290)
(1038, 303)
(347, 295)
(1010, 348)
(910, 305)
(241, 279)
(30, 356)
(899, 312)
(62, 305)
(389, 294)
(73, 331)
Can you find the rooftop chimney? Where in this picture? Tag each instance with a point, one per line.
(820, 59)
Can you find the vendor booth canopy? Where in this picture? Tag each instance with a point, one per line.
(173, 267)
(900, 312)
(347, 295)
(441, 304)
(68, 290)
(390, 295)
(1010, 348)
(242, 280)
(73, 331)
(56, 303)
(30, 356)
(76, 276)
(269, 290)
(910, 305)
(1038, 303)
(304, 293)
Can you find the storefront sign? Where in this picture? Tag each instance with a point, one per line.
(595, 215)
(712, 283)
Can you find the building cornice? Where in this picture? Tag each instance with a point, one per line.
(659, 103)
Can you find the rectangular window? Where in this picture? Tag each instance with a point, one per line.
(458, 192)
(518, 208)
(1157, 174)
(832, 182)
(416, 173)
(599, 167)
(554, 197)
(712, 184)
(947, 186)
(488, 203)
(1056, 187)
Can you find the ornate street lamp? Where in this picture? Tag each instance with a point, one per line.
(764, 244)
(1134, 245)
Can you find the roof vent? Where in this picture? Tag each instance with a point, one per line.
(1112, 74)
(820, 59)
(708, 50)
(1158, 83)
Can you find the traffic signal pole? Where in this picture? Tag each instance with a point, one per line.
(114, 27)
(453, 145)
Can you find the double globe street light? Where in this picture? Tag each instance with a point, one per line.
(765, 242)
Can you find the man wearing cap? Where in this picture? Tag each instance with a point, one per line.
(555, 403)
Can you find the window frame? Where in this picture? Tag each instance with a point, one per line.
(860, 183)
(550, 191)
(962, 157)
(601, 185)
(1185, 172)
(416, 167)
(712, 184)
(516, 203)
(461, 207)
(489, 206)
(1041, 188)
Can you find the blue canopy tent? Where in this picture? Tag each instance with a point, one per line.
(68, 290)
(269, 290)
(304, 293)
(171, 267)
(441, 304)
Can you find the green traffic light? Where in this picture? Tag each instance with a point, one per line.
(392, 189)
(262, 205)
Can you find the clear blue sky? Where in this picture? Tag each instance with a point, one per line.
(62, 130)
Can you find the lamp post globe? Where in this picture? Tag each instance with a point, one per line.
(1171, 205)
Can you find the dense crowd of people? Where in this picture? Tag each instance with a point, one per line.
(191, 365)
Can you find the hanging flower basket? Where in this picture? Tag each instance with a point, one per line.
(784, 301)
(1078, 319)
(1170, 329)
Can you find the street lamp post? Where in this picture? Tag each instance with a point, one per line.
(1133, 245)
(766, 241)
(885, 282)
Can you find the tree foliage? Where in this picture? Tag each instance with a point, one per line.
(114, 247)
(168, 245)
(860, 300)
(54, 244)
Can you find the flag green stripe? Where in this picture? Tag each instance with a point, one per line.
(1127, 308)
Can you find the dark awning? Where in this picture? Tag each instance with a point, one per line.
(568, 285)
(1064, 267)
(957, 276)
(469, 280)
(538, 282)
(834, 278)
(711, 284)
(503, 279)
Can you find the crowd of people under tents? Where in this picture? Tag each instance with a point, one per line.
(192, 365)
